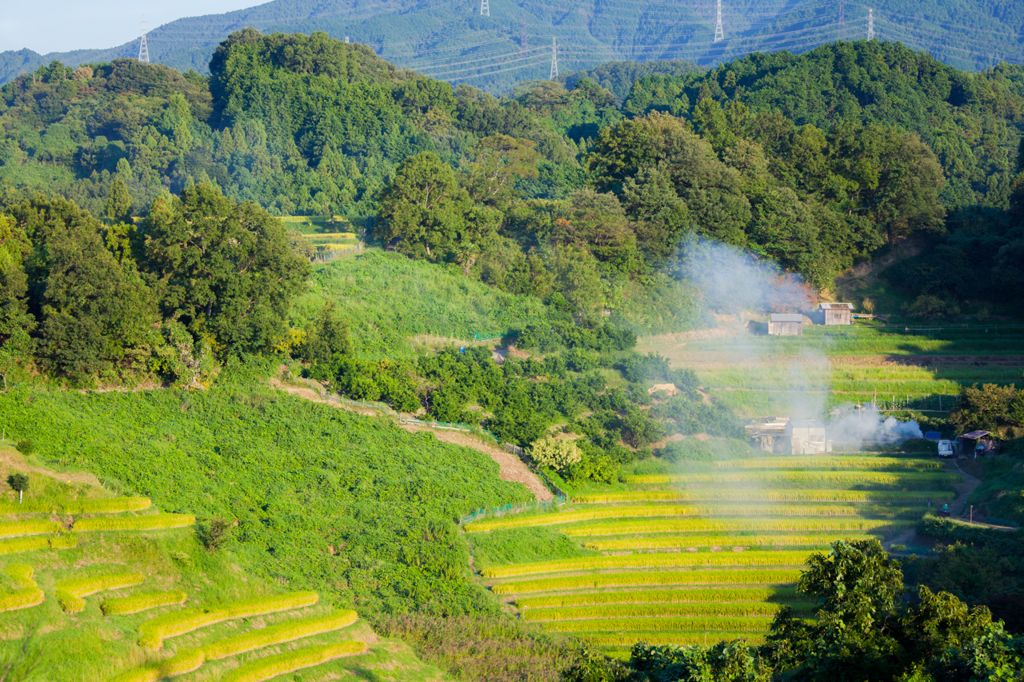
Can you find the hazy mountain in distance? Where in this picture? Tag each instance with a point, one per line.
(452, 41)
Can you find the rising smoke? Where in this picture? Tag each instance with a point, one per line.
(735, 282)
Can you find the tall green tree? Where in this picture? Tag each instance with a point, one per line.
(223, 268)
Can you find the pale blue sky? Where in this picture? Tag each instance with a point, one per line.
(62, 25)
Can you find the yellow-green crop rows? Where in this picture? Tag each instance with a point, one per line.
(709, 554)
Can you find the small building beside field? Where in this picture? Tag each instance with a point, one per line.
(978, 443)
(784, 324)
(807, 437)
(834, 313)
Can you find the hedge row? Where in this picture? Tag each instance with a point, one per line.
(141, 602)
(33, 543)
(136, 523)
(666, 638)
(272, 666)
(681, 541)
(829, 463)
(675, 559)
(952, 530)
(732, 525)
(154, 632)
(706, 623)
(595, 581)
(116, 505)
(662, 610)
(774, 478)
(796, 495)
(717, 595)
(11, 529)
(27, 595)
(70, 592)
(278, 634)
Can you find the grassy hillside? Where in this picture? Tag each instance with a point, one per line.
(387, 299)
(513, 43)
(91, 609)
(323, 499)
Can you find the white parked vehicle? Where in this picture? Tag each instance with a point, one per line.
(945, 448)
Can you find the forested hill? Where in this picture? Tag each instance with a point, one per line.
(513, 44)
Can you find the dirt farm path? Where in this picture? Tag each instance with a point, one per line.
(512, 468)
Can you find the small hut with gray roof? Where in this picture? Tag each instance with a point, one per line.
(784, 324)
(834, 313)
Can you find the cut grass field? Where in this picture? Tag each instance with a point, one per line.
(598, 563)
(595, 581)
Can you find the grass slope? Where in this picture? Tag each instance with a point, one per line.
(323, 499)
(91, 645)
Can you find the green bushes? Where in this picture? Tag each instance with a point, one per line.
(609, 611)
(278, 634)
(272, 666)
(70, 592)
(951, 530)
(717, 595)
(135, 523)
(595, 563)
(31, 544)
(642, 578)
(141, 602)
(27, 594)
(10, 529)
(681, 541)
(154, 632)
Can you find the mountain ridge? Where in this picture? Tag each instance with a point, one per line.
(514, 43)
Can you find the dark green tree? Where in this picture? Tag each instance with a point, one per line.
(18, 483)
(224, 269)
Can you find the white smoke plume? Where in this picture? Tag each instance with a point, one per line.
(731, 280)
(867, 425)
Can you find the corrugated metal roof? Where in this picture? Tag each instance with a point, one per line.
(835, 306)
(807, 424)
(786, 317)
(975, 435)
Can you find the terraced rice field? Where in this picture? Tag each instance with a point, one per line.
(707, 553)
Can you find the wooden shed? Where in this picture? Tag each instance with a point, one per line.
(807, 437)
(835, 313)
(783, 324)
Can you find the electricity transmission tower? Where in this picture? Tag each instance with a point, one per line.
(842, 20)
(719, 34)
(485, 8)
(143, 47)
(554, 59)
(871, 24)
